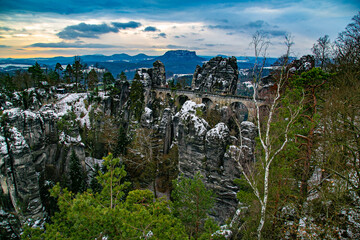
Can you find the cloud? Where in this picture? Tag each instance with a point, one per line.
(180, 36)
(2, 37)
(163, 35)
(275, 33)
(70, 45)
(175, 46)
(127, 25)
(5, 29)
(256, 24)
(151, 29)
(171, 46)
(4, 46)
(221, 27)
(84, 30)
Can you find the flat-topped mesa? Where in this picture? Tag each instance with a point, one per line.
(219, 75)
(153, 77)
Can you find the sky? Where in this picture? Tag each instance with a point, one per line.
(36, 28)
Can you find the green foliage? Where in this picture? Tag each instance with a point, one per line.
(77, 175)
(137, 99)
(92, 79)
(108, 79)
(111, 181)
(67, 123)
(92, 216)
(245, 193)
(36, 73)
(209, 232)
(122, 142)
(122, 76)
(77, 69)
(94, 183)
(69, 73)
(192, 203)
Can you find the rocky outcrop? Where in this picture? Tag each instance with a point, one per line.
(191, 131)
(209, 152)
(30, 143)
(166, 129)
(217, 75)
(153, 77)
(305, 63)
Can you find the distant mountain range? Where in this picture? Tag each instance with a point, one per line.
(176, 62)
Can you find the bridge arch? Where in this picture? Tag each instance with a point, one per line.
(181, 99)
(161, 95)
(240, 110)
(208, 102)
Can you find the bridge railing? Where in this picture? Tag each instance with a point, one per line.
(207, 94)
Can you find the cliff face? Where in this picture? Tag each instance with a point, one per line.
(209, 151)
(217, 75)
(31, 142)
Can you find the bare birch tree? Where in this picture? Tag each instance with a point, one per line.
(265, 126)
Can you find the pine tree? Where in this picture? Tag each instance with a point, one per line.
(36, 73)
(77, 69)
(77, 175)
(137, 99)
(122, 142)
(192, 202)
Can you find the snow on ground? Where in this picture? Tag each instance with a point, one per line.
(75, 102)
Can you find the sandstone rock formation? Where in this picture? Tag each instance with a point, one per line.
(217, 75)
(209, 152)
(305, 63)
(153, 77)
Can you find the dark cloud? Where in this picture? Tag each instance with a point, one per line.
(163, 35)
(257, 24)
(70, 45)
(75, 7)
(180, 36)
(175, 46)
(221, 27)
(213, 45)
(2, 37)
(151, 29)
(127, 25)
(5, 29)
(84, 30)
(275, 33)
(4, 46)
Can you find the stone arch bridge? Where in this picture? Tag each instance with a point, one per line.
(243, 104)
